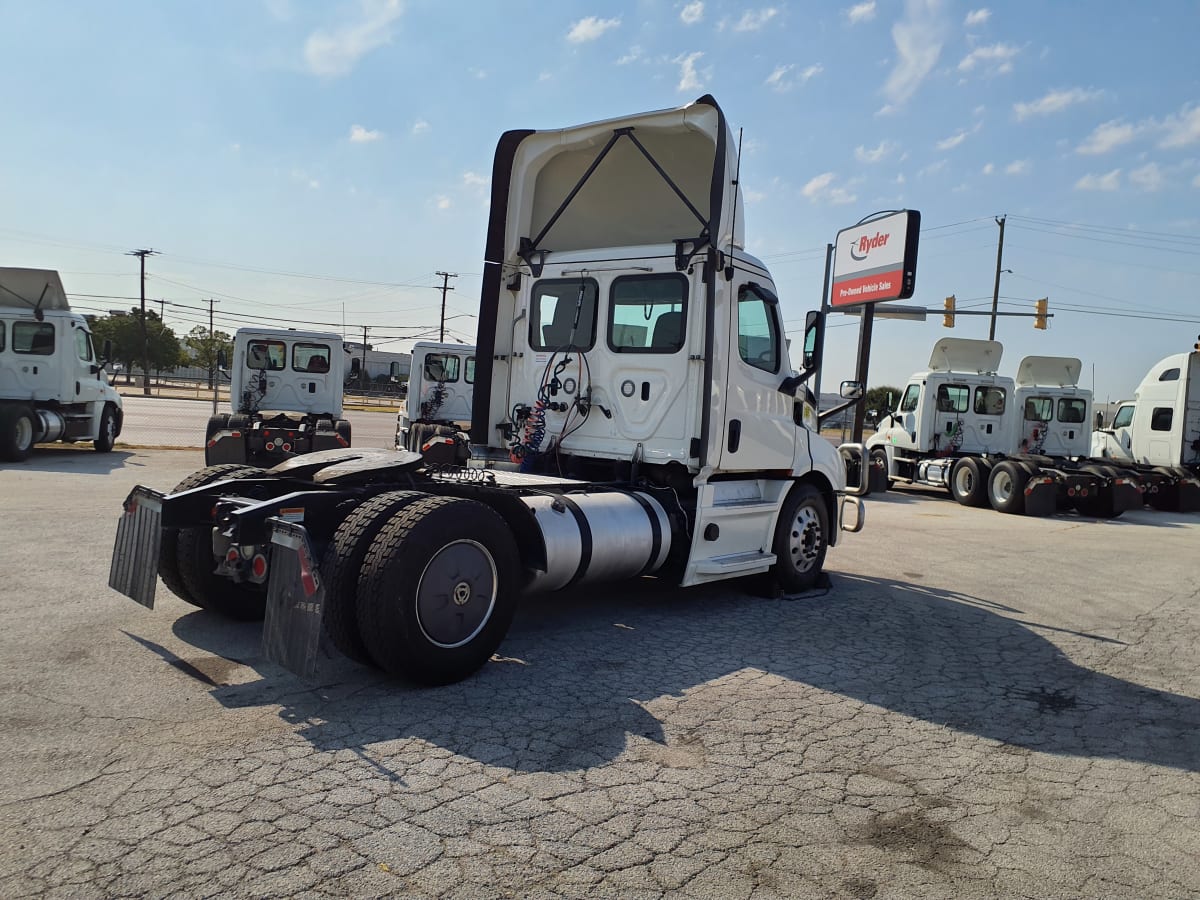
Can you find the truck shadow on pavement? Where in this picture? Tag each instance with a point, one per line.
(576, 674)
(75, 460)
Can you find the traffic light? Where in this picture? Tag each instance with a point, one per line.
(948, 316)
(1040, 321)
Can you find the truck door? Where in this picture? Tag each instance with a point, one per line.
(759, 433)
(902, 430)
(1122, 426)
(88, 387)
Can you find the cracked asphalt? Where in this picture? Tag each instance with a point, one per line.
(978, 706)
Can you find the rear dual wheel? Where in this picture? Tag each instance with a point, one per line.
(969, 481)
(1006, 487)
(438, 590)
(185, 561)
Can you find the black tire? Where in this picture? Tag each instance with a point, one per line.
(342, 428)
(343, 562)
(433, 550)
(18, 428)
(880, 480)
(168, 553)
(1006, 487)
(801, 539)
(1166, 497)
(106, 436)
(969, 481)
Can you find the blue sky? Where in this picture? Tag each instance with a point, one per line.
(320, 161)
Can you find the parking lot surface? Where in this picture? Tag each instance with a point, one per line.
(978, 705)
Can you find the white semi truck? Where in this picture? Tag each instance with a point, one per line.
(1020, 445)
(437, 412)
(52, 383)
(1158, 432)
(285, 388)
(630, 358)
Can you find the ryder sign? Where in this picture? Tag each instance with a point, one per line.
(876, 260)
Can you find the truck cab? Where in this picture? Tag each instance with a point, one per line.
(285, 388)
(1055, 412)
(1161, 425)
(437, 412)
(52, 383)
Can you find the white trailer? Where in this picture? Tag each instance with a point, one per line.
(630, 358)
(52, 383)
(437, 412)
(285, 390)
(1019, 445)
(1158, 432)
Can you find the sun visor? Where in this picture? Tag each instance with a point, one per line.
(965, 355)
(32, 289)
(1057, 371)
(650, 178)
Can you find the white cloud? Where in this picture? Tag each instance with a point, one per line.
(1182, 129)
(822, 189)
(861, 12)
(977, 17)
(692, 13)
(754, 196)
(544, 76)
(360, 135)
(953, 141)
(442, 202)
(1196, 182)
(337, 51)
(932, 168)
(754, 19)
(689, 79)
(875, 154)
(590, 29)
(780, 81)
(634, 54)
(480, 74)
(996, 58)
(1149, 178)
(1018, 167)
(918, 39)
(279, 9)
(314, 184)
(420, 126)
(1109, 182)
(1054, 101)
(988, 169)
(474, 180)
(1107, 137)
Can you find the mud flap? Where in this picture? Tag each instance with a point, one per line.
(1188, 492)
(1041, 496)
(134, 569)
(1126, 494)
(225, 447)
(295, 601)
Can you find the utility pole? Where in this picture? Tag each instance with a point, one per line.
(362, 374)
(446, 276)
(141, 255)
(996, 290)
(214, 378)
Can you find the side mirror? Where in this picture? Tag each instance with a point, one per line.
(814, 344)
(851, 390)
(222, 361)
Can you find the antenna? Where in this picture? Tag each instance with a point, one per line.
(737, 174)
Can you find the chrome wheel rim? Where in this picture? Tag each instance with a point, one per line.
(1002, 486)
(804, 541)
(24, 433)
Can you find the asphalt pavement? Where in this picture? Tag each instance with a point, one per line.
(977, 705)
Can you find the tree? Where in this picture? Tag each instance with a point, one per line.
(202, 350)
(125, 332)
(877, 404)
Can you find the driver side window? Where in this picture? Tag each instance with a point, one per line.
(758, 330)
(912, 396)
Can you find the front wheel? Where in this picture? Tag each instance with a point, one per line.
(801, 539)
(438, 590)
(106, 437)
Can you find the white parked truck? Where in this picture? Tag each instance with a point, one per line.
(1020, 445)
(634, 415)
(1158, 432)
(437, 412)
(52, 383)
(285, 388)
